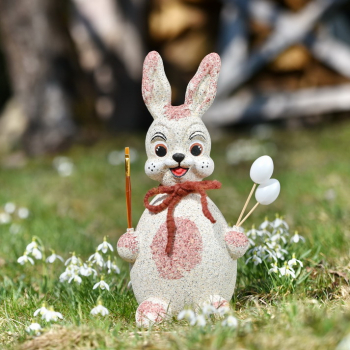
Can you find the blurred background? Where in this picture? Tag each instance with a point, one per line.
(70, 70)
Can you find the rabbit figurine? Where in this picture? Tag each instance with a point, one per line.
(182, 252)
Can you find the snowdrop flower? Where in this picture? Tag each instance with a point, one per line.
(265, 224)
(65, 276)
(73, 260)
(25, 258)
(64, 166)
(75, 278)
(208, 309)
(104, 246)
(99, 309)
(52, 258)
(37, 253)
(279, 236)
(51, 315)
(87, 270)
(255, 258)
(223, 310)
(5, 218)
(32, 245)
(111, 266)
(23, 213)
(296, 238)
(280, 252)
(41, 310)
(10, 207)
(254, 232)
(102, 284)
(97, 259)
(286, 270)
(279, 222)
(230, 321)
(201, 321)
(70, 271)
(274, 268)
(294, 261)
(188, 315)
(34, 328)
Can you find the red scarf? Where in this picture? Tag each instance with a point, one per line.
(175, 194)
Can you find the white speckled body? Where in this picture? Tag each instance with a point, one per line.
(201, 265)
(214, 275)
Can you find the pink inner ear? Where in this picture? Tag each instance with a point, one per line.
(210, 66)
(151, 64)
(177, 112)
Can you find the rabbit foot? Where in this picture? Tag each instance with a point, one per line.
(237, 243)
(150, 311)
(128, 246)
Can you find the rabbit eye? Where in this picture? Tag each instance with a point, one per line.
(161, 150)
(196, 149)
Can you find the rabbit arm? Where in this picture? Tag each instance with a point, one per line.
(236, 242)
(128, 246)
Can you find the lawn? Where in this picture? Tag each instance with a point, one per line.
(74, 213)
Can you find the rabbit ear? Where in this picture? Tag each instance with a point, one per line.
(156, 89)
(201, 90)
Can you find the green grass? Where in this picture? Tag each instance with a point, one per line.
(74, 213)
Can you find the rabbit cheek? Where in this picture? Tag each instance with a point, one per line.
(154, 169)
(204, 167)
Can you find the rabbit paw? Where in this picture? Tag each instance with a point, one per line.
(150, 311)
(128, 246)
(237, 243)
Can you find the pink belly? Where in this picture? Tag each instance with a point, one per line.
(186, 253)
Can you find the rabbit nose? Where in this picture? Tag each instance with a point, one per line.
(178, 157)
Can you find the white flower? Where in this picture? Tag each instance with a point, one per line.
(208, 309)
(279, 222)
(296, 238)
(24, 259)
(255, 258)
(64, 166)
(230, 321)
(10, 207)
(87, 270)
(294, 261)
(75, 278)
(32, 245)
(51, 315)
(65, 276)
(73, 260)
(37, 254)
(42, 310)
(188, 315)
(52, 258)
(104, 246)
(102, 284)
(254, 232)
(286, 270)
(201, 321)
(274, 268)
(112, 266)
(223, 310)
(23, 213)
(5, 218)
(97, 259)
(34, 328)
(99, 309)
(70, 271)
(265, 224)
(278, 236)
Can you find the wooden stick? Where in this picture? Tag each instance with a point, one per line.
(128, 186)
(246, 217)
(246, 203)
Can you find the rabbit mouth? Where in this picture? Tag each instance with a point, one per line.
(178, 171)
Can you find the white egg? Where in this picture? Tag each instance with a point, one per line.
(268, 192)
(261, 169)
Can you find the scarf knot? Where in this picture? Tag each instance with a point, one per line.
(175, 194)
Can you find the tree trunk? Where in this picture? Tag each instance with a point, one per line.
(36, 46)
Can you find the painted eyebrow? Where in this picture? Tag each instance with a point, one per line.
(159, 134)
(197, 132)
